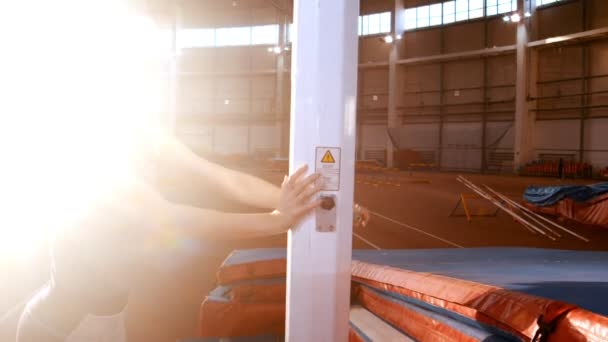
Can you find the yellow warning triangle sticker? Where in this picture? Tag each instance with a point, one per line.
(328, 158)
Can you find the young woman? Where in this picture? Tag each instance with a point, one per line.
(97, 144)
(95, 258)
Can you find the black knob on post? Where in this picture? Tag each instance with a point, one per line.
(327, 202)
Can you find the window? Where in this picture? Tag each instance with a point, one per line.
(375, 23)
(191, 38)
(435, 12)
(449, 12)
(545, 2)
(491, 7)
(422, 16)
(410, 18)
(265, 35)
(462, 10)
(506, 6)
(364, 25)
(385, 22)
(291, 32)
(233, 36)
(228, 36)
(475, 9)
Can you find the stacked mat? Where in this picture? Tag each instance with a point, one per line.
(586, 204)
(487, 294)
(250, 297)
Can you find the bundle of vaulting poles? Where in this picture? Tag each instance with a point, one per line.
(533, 222)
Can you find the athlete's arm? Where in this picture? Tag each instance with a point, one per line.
(295, 202)
(237, 186)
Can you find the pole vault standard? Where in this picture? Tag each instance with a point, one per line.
(323, 125)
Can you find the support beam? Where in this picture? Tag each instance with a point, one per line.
(475, 54)
(497, 51)
(533, 75)
(323, 111)
(392, 119)
(393, 95)
(524, 123)
(467, 55)
(585, 83)
(441, 101)
(279, 89)
(484, 95)
(571, 38)
(283, 7)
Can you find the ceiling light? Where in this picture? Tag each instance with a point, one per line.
(388, 39)
(506, 18)
(515, 18)
(226, 102)
(527, 14)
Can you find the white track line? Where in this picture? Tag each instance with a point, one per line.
(416, 229)
(366, 241)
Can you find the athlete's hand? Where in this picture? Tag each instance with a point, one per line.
(296, 199)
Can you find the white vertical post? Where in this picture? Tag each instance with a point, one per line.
(323, 114)
(392, 103)
(524, 124)
(393, 88)
(532, 72)
(279, 82)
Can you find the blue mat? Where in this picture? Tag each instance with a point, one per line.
(576, 277)
(469, 327)
(543, 196)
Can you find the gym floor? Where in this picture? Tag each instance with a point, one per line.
(417, 215)
(414, 214)
(412, 210)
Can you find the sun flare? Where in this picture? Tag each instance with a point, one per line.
(87, 82)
